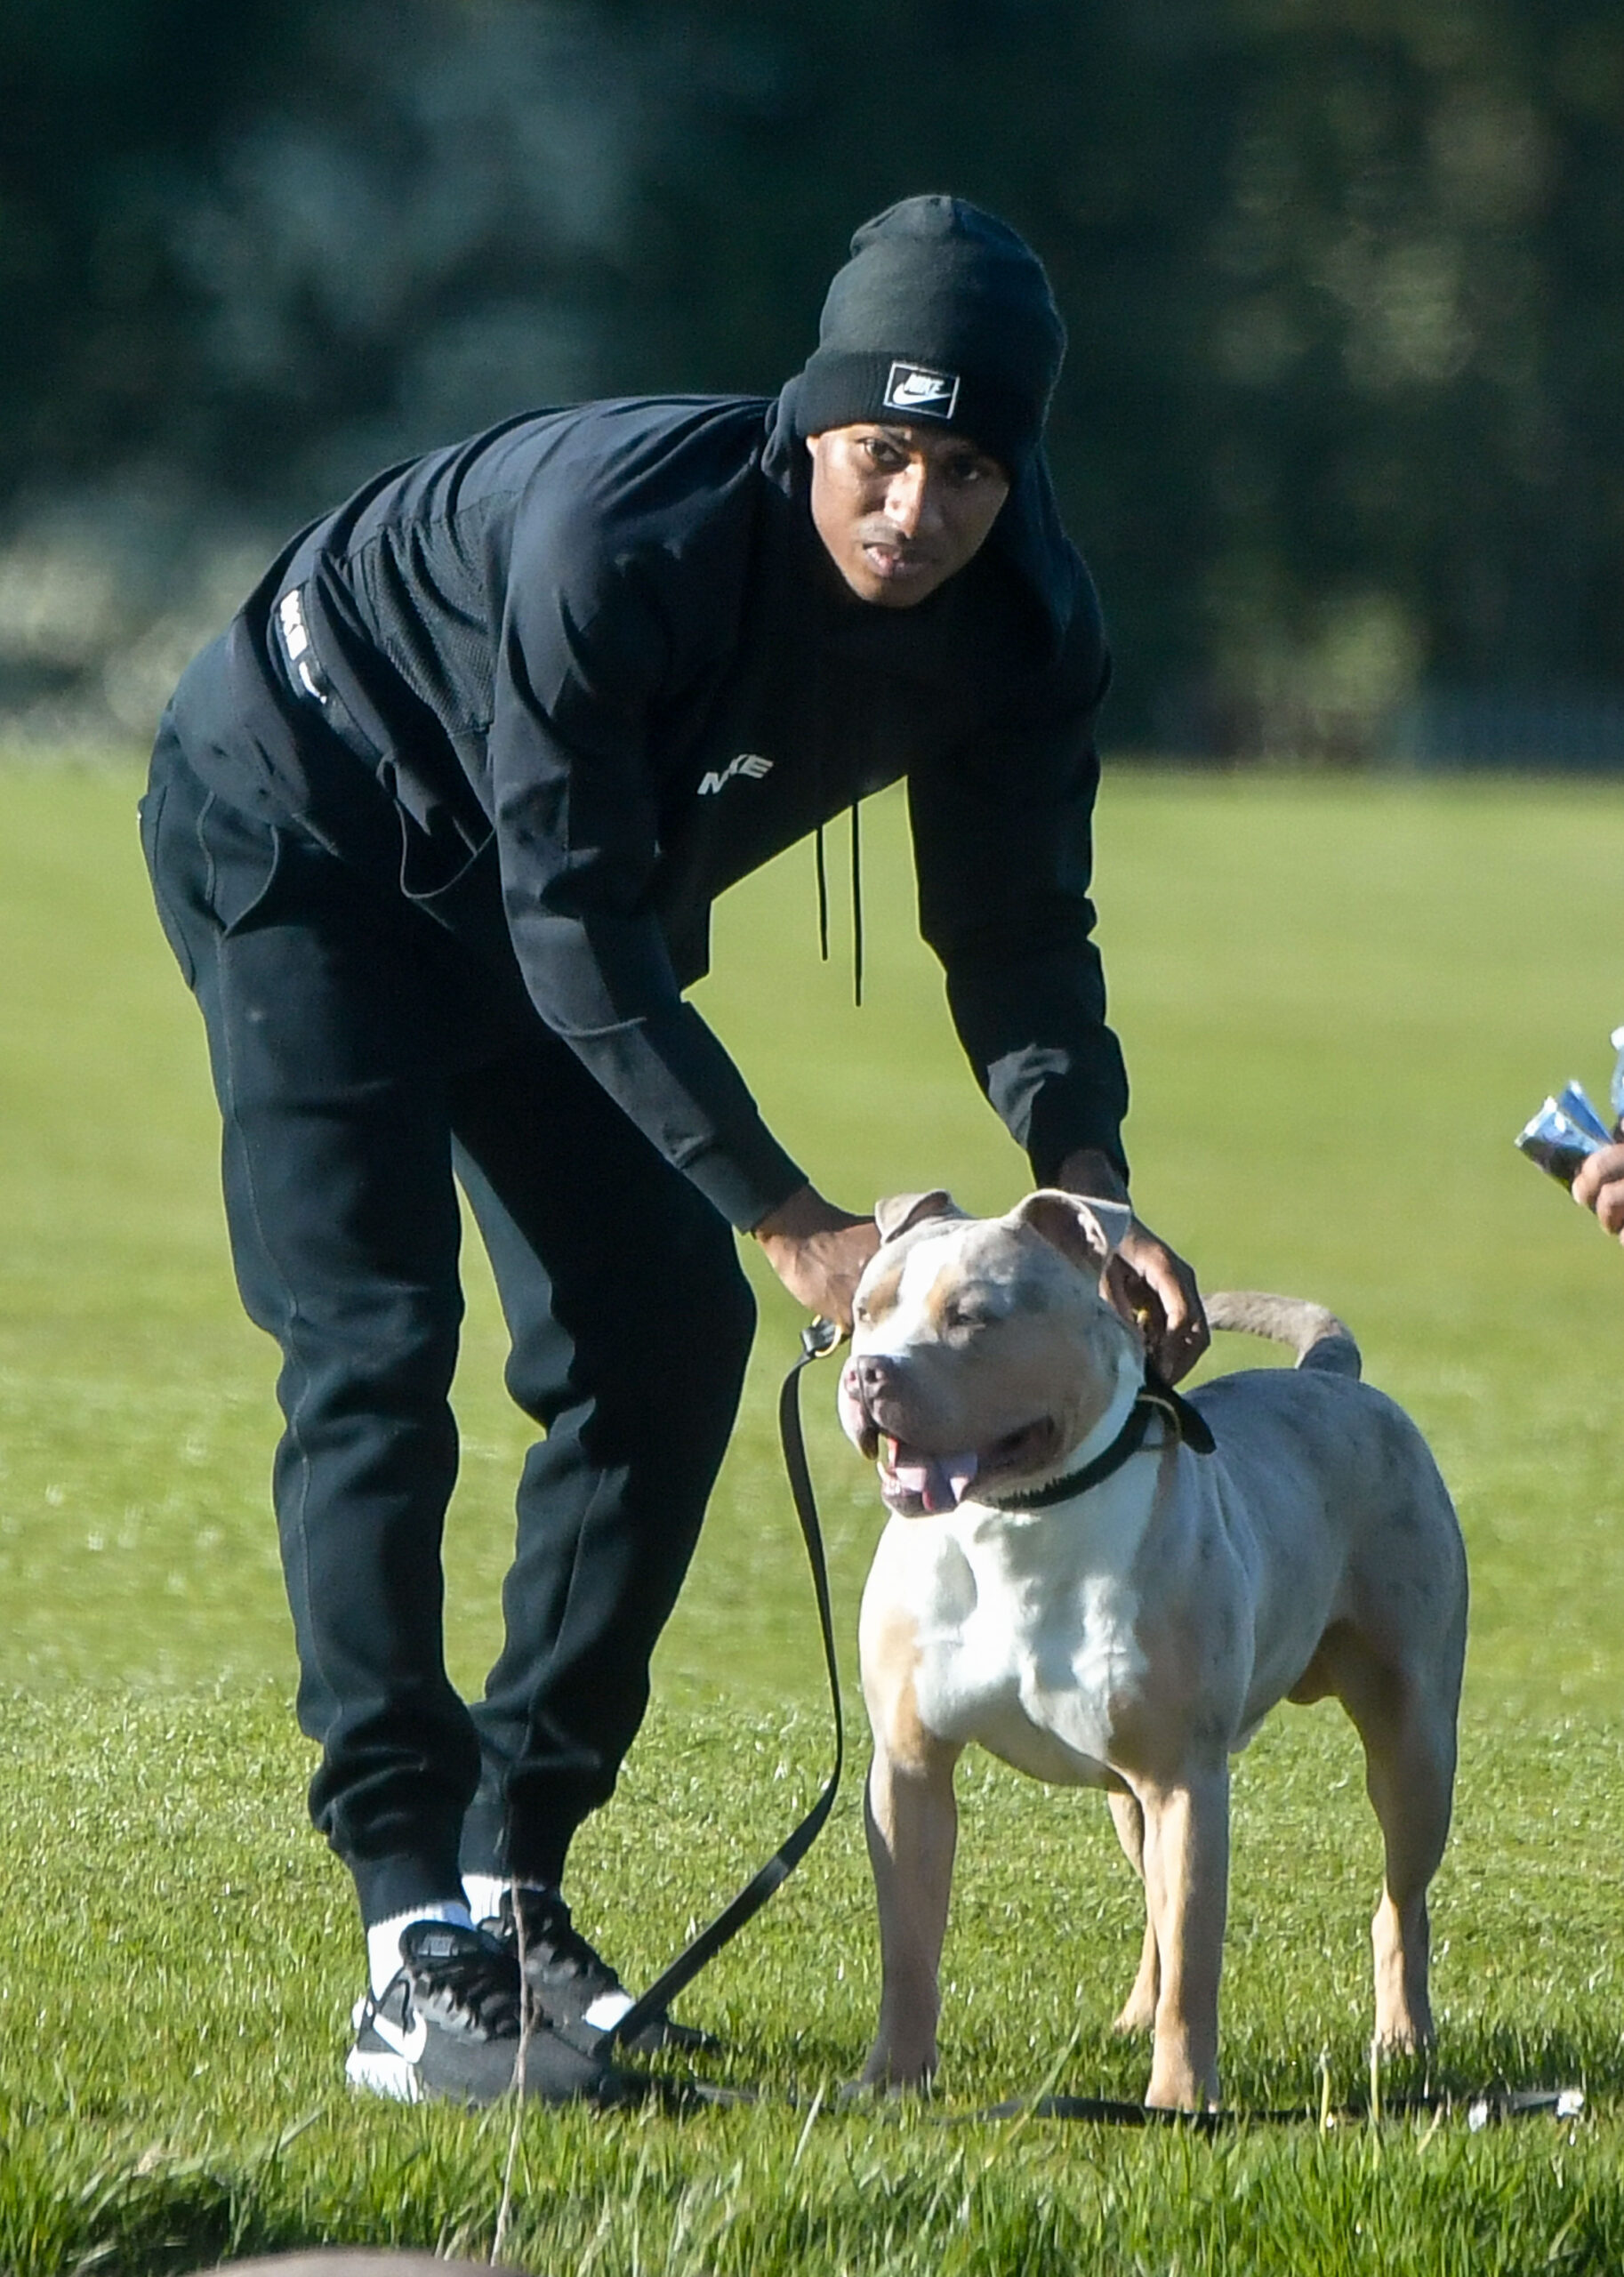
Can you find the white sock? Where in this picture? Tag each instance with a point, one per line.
(384, 1937)
(486, 1892)
(484, 1895)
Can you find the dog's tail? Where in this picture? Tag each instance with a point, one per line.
(1317, 1337)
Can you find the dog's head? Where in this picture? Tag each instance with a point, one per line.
(983, 1350)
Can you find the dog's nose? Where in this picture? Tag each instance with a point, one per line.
(876, 1373)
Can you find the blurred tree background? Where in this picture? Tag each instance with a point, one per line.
(1339, 432)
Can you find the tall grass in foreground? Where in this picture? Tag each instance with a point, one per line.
(1338, 1001)
(179, 1964)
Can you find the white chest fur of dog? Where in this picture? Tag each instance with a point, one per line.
(1025, 1651)
(1123, 1616)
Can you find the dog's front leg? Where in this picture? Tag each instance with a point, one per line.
(911, 1820)
(1186, 1889)
(1139, 2010)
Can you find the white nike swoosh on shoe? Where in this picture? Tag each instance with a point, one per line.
(380, 2074)
(409, 2044)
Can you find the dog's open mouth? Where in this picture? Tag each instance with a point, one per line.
(916, 1483)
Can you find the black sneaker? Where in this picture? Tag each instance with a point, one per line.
(571, 1984)
(447, 2025)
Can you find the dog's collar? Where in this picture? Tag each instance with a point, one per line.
(1155, 1397)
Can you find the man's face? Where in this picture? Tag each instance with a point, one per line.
(900, 511)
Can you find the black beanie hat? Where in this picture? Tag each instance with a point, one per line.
(942, 316)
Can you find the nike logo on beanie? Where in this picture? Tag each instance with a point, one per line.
(915, 387)
(969, 298)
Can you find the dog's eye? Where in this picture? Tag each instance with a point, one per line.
(968, 1313)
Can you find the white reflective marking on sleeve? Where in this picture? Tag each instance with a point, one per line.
(290, 611)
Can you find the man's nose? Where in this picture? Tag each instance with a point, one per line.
(911, 501)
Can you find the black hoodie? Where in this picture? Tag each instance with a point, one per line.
(588, 669)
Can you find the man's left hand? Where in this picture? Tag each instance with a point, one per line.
(1153, 1280)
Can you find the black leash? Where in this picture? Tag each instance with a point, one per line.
(1481, 2107)
(821, 1337)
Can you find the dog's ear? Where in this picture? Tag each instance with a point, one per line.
(898, 1212)
(1087, 1230)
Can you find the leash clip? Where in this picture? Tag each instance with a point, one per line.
(818, 1337)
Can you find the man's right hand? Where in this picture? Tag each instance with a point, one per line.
(1600, 1187)
(818, 1252)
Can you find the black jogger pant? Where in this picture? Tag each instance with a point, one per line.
(361, 1049)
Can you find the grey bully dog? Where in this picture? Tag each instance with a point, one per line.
(1108, 1585)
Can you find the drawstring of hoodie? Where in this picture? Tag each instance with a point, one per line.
(823, 895)
(856, 909)
(819, 659)
(857, 902)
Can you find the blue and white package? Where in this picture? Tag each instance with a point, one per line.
(1575, 1102)
(1557, 1143)
(1571, 1126)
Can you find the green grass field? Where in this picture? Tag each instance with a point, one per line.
(1339, 1000)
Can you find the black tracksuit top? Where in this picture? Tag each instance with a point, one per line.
(600, 656)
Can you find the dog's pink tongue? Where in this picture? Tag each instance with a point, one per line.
(938, 1480)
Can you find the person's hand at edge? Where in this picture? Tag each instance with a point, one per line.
(1600, 1187)
(1152, 1280)
(818, 1252)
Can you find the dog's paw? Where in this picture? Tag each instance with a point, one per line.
(882, 2080)
(1405, 2036)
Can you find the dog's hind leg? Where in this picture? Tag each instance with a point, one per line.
(1410, 1773)
(1409, 1738)
(1139, 2010)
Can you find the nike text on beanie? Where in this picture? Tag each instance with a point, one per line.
(942, 316)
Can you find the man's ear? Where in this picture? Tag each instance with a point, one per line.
(1088, 1231)
(898, 1212)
